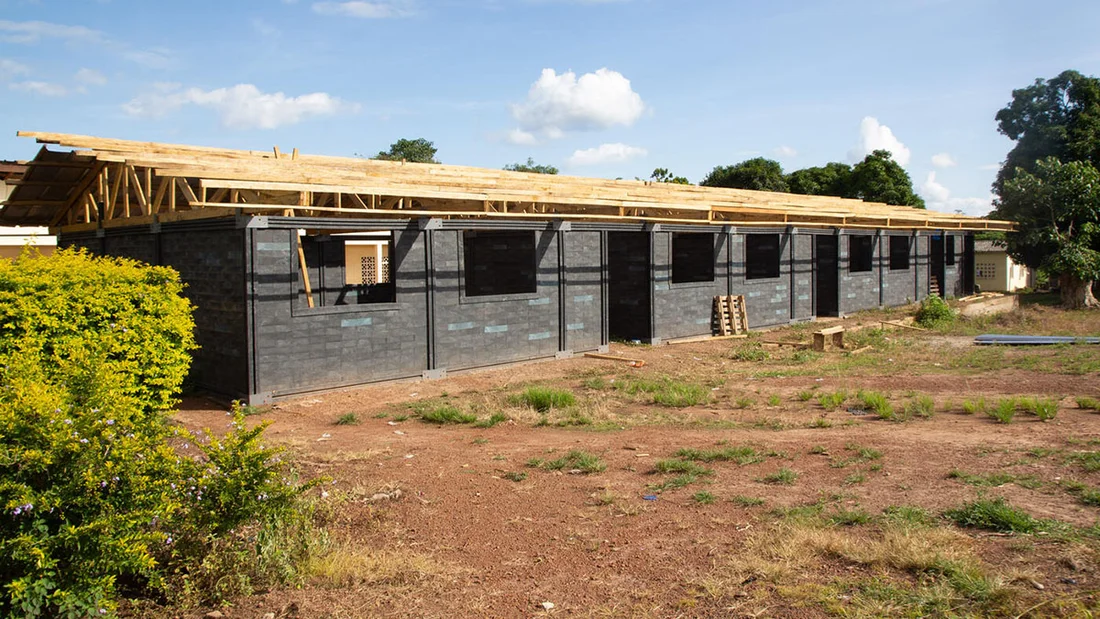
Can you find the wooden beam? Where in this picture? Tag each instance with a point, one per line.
(305, 270)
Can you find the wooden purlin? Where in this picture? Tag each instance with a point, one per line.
(446, 191)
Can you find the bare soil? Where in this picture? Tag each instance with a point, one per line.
(607, 544)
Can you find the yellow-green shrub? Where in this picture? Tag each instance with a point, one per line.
(72, 303)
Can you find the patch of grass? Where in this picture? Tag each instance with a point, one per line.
(995, 479)
(820, 423)
(804, 356)
(832, 401)
(744, 402)
(703, 498)
(774, 400)
(863, 454)
(995, 515)
(573, 418)
(849, 517)
(855, 478)
(1005, 411)
(819, 450)
(908, 515)
(742, 455)
(746, 501)
(598, 383)
(805, 395)
(1086, 494)
(920, 406)
(576, 460)
(348, 419)
(1043, 408)
(672, 483)
(481, 440)
(1088, 404)
(750, 351)
(1087, 460)
(877, 403)
(543, 399)
(666, 391)
(400, 418)
(491, 420)
(443, 414)
(971, 407)
(782, 477)
(250, 410)
(516, 476)
(681, 467)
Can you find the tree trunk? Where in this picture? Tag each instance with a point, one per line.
(1076, 293)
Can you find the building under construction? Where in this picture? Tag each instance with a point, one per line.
(313, 272)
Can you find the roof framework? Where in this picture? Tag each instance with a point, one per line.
(106, 182)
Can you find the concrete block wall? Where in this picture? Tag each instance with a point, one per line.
(900, 286)
(686, 309)
(953, 282)
(860, 290)
(485, 330)
(300, 349)
(802, 276)
(582, 296)
(767, 301)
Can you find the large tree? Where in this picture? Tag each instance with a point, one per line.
(532, 167)
(1057, 209)
(415, 151)
(1056, 118)
(830, 179)
(759, 173)
(878, 178)
(1049, 184)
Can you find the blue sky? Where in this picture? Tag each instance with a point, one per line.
(610, 88)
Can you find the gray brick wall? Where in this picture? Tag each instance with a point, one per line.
(802, 276)
(953, 273)
(860, 290)
(899, 286)
(478, 331)
(686, 309)
(582, 295)
(767, 301)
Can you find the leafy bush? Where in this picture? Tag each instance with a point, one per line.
(72, 304)
(98, 491)
(934, 311)
(876, 402)
(921, 406)
(1005, 410)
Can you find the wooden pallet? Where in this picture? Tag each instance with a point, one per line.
(730, 315)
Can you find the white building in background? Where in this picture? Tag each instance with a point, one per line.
(994, 270)
(13, 239)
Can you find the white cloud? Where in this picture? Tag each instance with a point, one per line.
(559, 103)
(155, 58)
(34, 31)
(875, 136)
(785, 151)
(241, 107)
(606, 153)
(943, 160)
(91, 77)
(11, 68)
(45, 89)
(364, 10)
(521, 137)
(938, 198)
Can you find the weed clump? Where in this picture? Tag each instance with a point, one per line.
(1089, 404)
(703, 497)
(543, 399)
(877, 403)
(491, 420)
(921, 406)
(934, 312)
(347, 419)
(576, 460)
(832, 401)
(995, 515)
(746, 501)
(751, 351)
(782, 477)
(971, 407)
(741, 455)
(444, 414)
(666, 392)
(1005, 411)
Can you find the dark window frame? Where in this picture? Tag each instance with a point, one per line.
(313, 248)
(900, 261)
(692, 257)
(485, 253)
(763, 256)
(949, 250)
(861, 253)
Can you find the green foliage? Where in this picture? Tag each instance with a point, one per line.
(832, 179)
(96, 491)
(783, 476)
(921, 406)
(995, 515)
(492, 420)
(878, 178)
(543, 399)
(832, 401)
(531, 167)
(746, 501)
(805, 395)
(750, 351)
(864, 454)
(516, 476)
(933, 312)
(1005, 410)
(1089, 404)
(666, 391)
(908, 515)
(703, 497)
(758, 173)
(662, 175)
(849, 517)
(445, 414)
(681, 467)
(877, 403)
(348, 419)
(1086, 494)
(773, 400)
(1087, 460)
(419, 150)
(72, 305)
(576, 460)
(1043, 408)
(971, 407)
(743, 455)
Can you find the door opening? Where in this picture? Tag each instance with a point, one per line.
(826, 270)
(628, 287)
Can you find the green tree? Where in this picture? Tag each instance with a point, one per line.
(878, 178)
(830, 179)
(532, 167)
(413, 151)
(1057, 209)
(662, 175)
(758, 173)
(1056, 118)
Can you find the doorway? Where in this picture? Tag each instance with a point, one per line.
(936, 266)
(826, 268)
(628, 286)
(967, 266)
